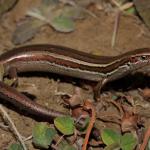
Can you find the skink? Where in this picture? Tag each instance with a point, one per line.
(69, 62)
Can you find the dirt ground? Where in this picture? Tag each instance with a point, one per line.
(92, 35)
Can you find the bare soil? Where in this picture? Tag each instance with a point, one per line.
(92, 35)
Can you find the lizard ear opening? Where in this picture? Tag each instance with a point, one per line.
(133, 59)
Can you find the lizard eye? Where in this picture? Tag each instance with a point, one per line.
(143, 57)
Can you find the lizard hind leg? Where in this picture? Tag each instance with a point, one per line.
(13, 81)
(98, 88)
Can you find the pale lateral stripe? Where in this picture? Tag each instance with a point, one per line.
(67, 58)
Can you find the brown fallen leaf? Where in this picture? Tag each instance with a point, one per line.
(26, 30)
(79, 112)
(129, 122)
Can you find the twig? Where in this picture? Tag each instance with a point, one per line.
(27, 138)
(59, 140)
(121, 9)
(89, 106)
(116, 25)
(124, 6)
(12, 126)
(146, 138)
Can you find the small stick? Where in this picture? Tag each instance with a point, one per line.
(27, 138)
(59, 140)
(116, 25)
(146, 138)
(89, 106)
(12, 126)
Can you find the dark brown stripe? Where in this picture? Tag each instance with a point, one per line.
(67, 63)
(122, 59)
(59, 50)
